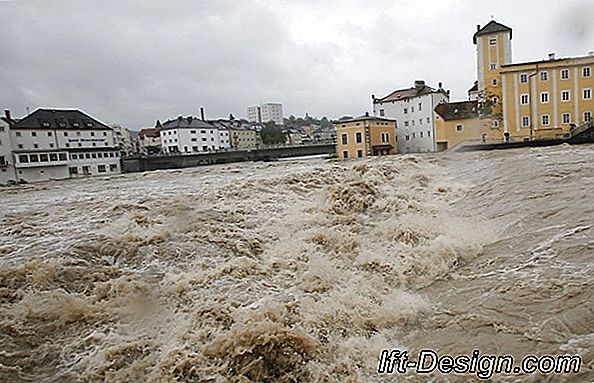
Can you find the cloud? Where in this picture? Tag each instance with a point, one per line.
(133, 62)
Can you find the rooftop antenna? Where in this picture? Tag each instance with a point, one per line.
(27, 109)
(492, 17)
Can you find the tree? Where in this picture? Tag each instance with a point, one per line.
(272, 133)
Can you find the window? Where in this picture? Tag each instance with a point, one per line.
(100, 155)
(385, 137)
(545, 120)
(587, 94)
(495, 100)
(407, 137)
(65, 134)
(493, 41)
(566, 117)
(587, 116)
(101, 168)
(34, 134)
(20, 146)
(49, 134)
(428, 120)
(420, 121)
(18, 134)
(412, 122)
(564, 74)
(420, 106)
(73, 170)
(94, 155)
(421, 134)
(405, 123)
(36, 146)
(565, 95)
(51, 144)
(344, 139)
(428, 133)
(523, 78)
(74, 156)
(493, 66)
(544, 97)
(544, 76)
(192, 132)
(525, 121)
(495, 124)
(67, 145)
(586, 71)
(34, 158)
(43, 158)
(114, 167)
(105, 133)
(494, 82)
(459, 128)
(23, 158)
(62, 156)
(358, 137)
(53, 157)
(524, 99)
(86, 170)
(93, 134)
(382, 112)
(359, 153)
(405, 110)
(345, 154)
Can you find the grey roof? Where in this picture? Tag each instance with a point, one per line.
(362, 118)
(457, 110)
(492, 27)
(403, 94)
(189, 122)
(58, 119)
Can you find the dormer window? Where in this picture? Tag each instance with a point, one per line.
(62, 124)
(46, 124)
(75, 124)
(89, 124)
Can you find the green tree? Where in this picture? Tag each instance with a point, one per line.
(272, 133)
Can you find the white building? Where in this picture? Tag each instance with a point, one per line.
(192, 135)
(266, 112)
(51, 144)
(124, 140)
(7, 169)
(412, 108)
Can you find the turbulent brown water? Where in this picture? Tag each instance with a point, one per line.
(298, 271)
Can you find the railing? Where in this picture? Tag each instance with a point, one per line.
(227, 150)
(580, 129)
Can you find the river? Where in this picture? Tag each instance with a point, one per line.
(299, 271)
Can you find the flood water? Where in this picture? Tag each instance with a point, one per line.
(299, 271)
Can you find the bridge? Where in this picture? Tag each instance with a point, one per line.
(141, 164)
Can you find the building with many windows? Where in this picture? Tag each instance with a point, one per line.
(149, 141)
(523, 101)
(412, 108)
(242, 135)
(53, 144)
(266, 112)
(7, 169)
(186, 135)
(365, 136)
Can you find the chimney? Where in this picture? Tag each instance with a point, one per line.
(591, 53)
(366, 114)
(440, 84)
(8, 118)
(552, 56)
(419, 84)
(478, 27)
(202, 113)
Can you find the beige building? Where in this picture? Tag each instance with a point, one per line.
(456, 122)
(365, 136)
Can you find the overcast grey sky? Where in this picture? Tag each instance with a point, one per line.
(135, 61)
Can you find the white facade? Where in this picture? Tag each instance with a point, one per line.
(413, 112)
(266, 112)
(60, 144)
(7, 170)
(192, 135)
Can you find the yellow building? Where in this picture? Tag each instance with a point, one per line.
(365, 136)
(242, 137)
(456, 122)
(546, 98)
(539, 99)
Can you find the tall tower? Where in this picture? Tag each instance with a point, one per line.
(493, 49)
